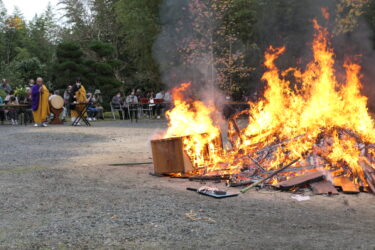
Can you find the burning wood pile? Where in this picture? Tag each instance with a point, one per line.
(313, 131)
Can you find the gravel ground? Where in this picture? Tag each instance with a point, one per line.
(57, 191)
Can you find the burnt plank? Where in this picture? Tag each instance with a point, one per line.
(323, 187)
(301, 180)
(346, 185)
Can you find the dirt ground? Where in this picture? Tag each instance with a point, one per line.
(57, 191)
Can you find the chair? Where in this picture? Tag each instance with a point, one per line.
(160, 107)
(113, 110)
(133, 108)
(145, 106)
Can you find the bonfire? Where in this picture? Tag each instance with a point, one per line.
(320, 124)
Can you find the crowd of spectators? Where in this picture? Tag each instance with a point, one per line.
(137, 100)
(134, 104)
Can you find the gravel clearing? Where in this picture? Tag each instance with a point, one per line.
(58, 192)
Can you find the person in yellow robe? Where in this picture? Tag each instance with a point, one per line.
(79, 98)
(40, 103)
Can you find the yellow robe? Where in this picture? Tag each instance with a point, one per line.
(81, 98)
(40, 115)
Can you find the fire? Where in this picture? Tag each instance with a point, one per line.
(314, 116)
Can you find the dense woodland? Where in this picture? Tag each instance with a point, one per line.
(153, 44)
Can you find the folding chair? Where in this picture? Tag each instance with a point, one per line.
(145, 106)
(113, 110)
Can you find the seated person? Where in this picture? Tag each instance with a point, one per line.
(98, 105)
(117, 103)
(92, 112)
(13, 112)
(27, 100)
(132, 104)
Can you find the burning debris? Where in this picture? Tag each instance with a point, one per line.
(320, 121)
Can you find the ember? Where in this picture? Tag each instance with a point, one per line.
(323, 122)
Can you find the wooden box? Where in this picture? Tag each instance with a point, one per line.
(169, 156)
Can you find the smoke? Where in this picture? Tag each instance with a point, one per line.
(357, 45)
(184, 49)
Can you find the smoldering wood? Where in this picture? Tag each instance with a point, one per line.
(269, 177)
(323, 187)
(301, 180)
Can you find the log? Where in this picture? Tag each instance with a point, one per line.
(301, 180)
(268, 177)
(323, 187)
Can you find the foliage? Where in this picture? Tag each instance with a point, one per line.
(3, 94)
(20, 92)
(111, 44)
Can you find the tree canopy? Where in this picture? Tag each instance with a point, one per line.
(122, 44)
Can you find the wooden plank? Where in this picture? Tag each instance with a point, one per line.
(301, 180)
(169, 157)
(323, 187)
(346, 185)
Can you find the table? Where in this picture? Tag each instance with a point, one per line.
(21, 107)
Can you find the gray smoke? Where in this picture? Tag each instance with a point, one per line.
(183, 52)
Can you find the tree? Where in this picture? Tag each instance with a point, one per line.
(69, 64)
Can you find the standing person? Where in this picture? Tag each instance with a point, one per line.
(40, 104)
(78, 98)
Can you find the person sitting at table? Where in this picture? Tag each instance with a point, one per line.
(9, 96)
(13, 112)
(78, 96)
(40, 103)
(27, 100)
(132, 103)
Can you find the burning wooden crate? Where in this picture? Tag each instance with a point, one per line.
(169, 155)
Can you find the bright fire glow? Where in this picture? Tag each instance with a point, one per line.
(318, 117)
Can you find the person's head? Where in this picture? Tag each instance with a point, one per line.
(132, 92)
(28, 91)
(69, 88)
(12, 99)
(118, 94)
(78, 82)
(11, 92)
(31, 82)
(4, 81)
(39, 81)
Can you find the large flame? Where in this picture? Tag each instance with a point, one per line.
(317, 114)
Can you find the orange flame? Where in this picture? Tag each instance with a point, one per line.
(320, 104)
